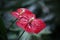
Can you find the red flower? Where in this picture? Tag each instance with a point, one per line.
(35, 26)
(22, 12)
(28, 21)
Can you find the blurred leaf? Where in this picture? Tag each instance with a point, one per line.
(3, 31)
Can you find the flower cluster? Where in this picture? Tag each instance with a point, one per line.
(28, 21)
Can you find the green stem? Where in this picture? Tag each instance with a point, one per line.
(22, 32)
(20, 35)
(13, 22)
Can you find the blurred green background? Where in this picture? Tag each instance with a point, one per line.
(48, 10)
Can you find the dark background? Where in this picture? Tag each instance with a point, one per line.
(48, 10)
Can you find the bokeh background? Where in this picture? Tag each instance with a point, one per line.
(48, 10)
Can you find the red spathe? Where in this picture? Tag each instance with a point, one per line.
(25, 14)
(34, 27)
(28, 21)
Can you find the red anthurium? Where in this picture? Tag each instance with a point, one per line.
(35, 26)
(28, 21)
(23, 12)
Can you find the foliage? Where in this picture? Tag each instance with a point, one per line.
(45, 9)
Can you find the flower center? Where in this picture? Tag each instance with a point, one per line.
(22, 11)
(31, 19)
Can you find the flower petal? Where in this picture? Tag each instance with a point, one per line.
(22, 22)
(15, 14)
(37, 25)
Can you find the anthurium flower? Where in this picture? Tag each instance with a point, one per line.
(23, 12)
(28, 21)
(34, 26)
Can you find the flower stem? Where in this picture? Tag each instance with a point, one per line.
(20, 35)
(13, 22)
(22, 32)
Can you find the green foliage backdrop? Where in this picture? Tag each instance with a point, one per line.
(48, 10)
